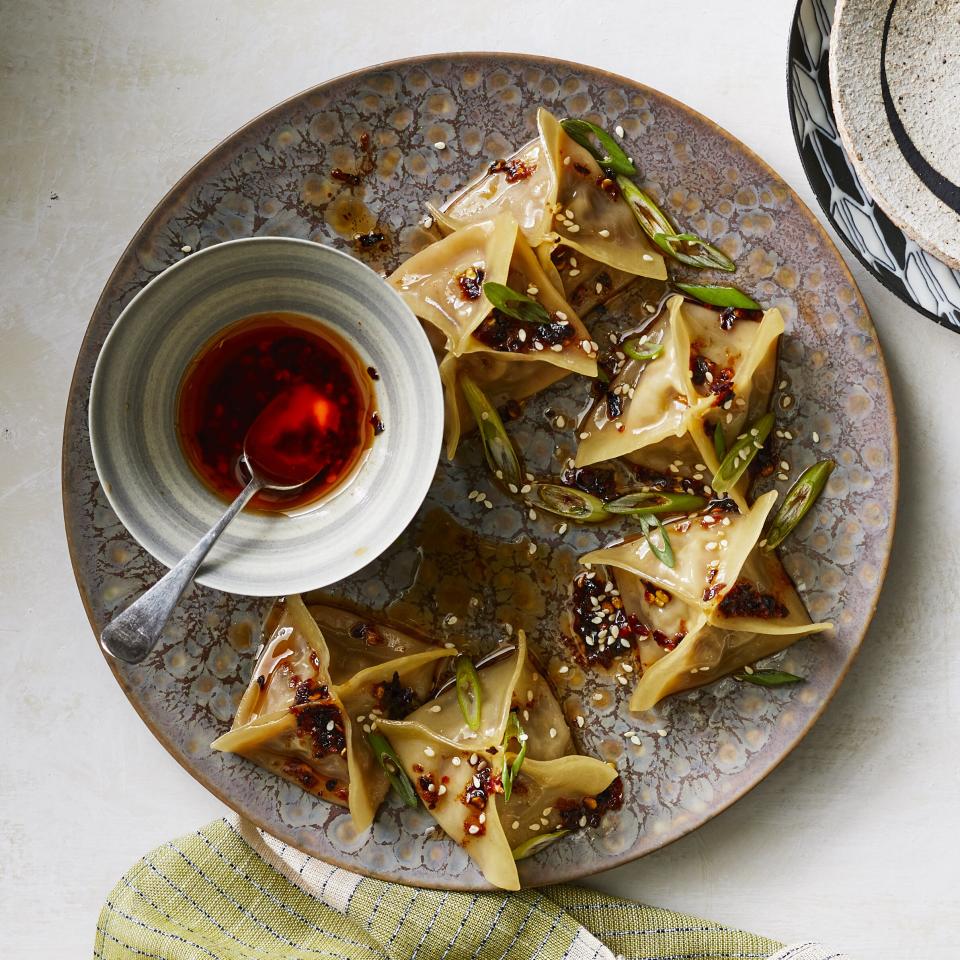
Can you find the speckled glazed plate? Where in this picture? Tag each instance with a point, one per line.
(695, 753)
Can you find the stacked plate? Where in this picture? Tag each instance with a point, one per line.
(874, 91)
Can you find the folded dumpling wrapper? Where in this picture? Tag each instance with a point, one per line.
(724, 605)
(458, 772)
(313, 696)
(668, 413)
(558, 194)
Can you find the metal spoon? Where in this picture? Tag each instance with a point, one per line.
(135, 632)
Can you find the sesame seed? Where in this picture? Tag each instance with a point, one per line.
(786, 401)
(787, 435)
(484, 415)
(537, 345)
(482, 818)
(361, 718)
(436, 708)
(431, 788)
(649, 259)
(186, 248)
(441, 790)
(429, 751)
(604, 233)
(634, 739)
(440, 145)
(662, 733)
(618, 130)
(583, 821)
(534, 827)
(473, 828)
(456, 761)
(562, 529)
(597, 697)
(574, 273)
(428, 223)
(784, 465)
(815, 436)
(532, 290)
(566, 161)
(599, 288)
(621, 679)
(781, 384)
(580, 720)
(628, 667)
(488, 504)
(522, 335)
(450, 646)
(782, 476)
(330, 725)
(748, 669)
(450, 619)
(583, 433)
(574, 228)
(473, 759)
(476, 782)
(532, 549)
(515, 825)
(367, 728)
(532, 514)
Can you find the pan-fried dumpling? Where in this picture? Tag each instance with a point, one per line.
(724, 605)
(443, 283)
(584, 282)
(310, 702)
(661, 413)
(458, 772)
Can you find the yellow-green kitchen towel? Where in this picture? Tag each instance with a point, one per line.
(229, 892)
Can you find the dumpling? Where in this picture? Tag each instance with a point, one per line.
(443, 283)
(558, 194)
(311, 702)
(510, 359)
(724, 604)
(459, 772)
(711, 374)
(590, 215)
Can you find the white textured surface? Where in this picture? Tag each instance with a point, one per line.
(105, 103)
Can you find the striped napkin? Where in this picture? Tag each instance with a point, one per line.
(229, 892)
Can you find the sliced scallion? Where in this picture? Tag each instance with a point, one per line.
(798, 501)
(769, 678)
(514, 304)
(719, 442)
(648, 214)
(534, 844)
(392, 767)
(651, 501)
(690, 249)
(511, 771)
(468, 691)
(718, 295)
(650, 523)
(741, 454)
(610, 155)
(642, 351)
(497, 448)
(570, 503)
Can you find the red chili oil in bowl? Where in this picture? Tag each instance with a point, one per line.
(328, 417)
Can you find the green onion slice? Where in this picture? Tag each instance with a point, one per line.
(571, 503)
(719, 442)
(648, 214)
(392, 767)
(643, 351)
(719, 295)
(650, 523)
(515, 304)
(651, 501)
(610, 155)
(499, 451)
(769, 678)
(690, 249)
(468, 691)
(534, 844)
(741, 454)
(511, 770)
(798, 501)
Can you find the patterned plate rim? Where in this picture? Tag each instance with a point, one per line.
(578, 871)
(808, 169)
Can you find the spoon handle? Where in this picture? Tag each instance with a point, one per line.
(135, 632)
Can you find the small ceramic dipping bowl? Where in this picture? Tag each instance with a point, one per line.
(133, 414)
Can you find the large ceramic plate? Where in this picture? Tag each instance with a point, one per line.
(458, 558)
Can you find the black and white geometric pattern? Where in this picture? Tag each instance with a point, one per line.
(914, 275)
